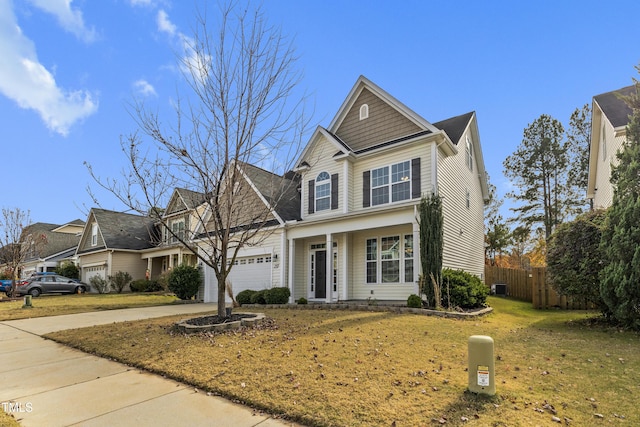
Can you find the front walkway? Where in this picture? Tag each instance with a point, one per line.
(45, 383)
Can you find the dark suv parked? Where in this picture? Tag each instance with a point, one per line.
(51, 283)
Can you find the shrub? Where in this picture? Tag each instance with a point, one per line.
(277, 295)
(154, 286)
(414, 301)
(138, 285)
(244, 297)
(101, 285)
(119, 280)
(302, 301)
(68, 269)
(184, 281)
(462, 289)
(259, 297)
(574, 257)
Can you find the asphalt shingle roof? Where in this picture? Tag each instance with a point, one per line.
(455, 126)
(125, 231)
(281, 192)
(614, 107)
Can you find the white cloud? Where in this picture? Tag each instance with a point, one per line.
(144, 88)
(27, 82)
(164, 25)
(68, 18)
(141, 2)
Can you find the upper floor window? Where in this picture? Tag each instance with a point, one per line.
(94, 234)
(604, 144)
(177, 228)
(391, 183)
(323, 191)
(364, 111)
(469, 153)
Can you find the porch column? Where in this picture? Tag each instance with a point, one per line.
(291, 267)
(416, 256)
(345, 265)
(329, 267)
(149, 266)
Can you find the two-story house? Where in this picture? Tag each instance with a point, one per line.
(183, 216)
(49, 245)
(609, 119)
(355, 235)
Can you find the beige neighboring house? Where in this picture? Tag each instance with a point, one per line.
(609, 119)
(183, 215)
(114, 241)
(352, 232)
(50, 245)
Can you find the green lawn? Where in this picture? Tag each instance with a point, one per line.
(341, 368)
(53, 305)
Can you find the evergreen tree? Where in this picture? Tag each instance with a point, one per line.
(578, 141)
(497, 236)
(539, 168)
(620, 277)
(431, 244)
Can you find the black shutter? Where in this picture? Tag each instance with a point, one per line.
(366, 189)
(415, 178)
(334, 191)
(312, 190)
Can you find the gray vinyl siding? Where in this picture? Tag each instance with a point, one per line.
(463, 228)
(603, 197)
(384, 123)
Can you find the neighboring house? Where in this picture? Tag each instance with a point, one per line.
(353, 234)
(50, 245)
(183, 216)
(609, 119)
(114, 241)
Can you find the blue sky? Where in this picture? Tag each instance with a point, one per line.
(69, 69)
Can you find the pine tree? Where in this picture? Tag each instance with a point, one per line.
(620, 245)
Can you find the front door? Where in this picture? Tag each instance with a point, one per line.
(320, 274)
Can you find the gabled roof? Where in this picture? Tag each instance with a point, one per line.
(614, 107)
(454, 127)
(182, 200)
(280, 192)
(124, 231)
(55, 242)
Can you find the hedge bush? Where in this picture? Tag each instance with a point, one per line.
(144, 285)
(462, 289)
(184, 281)
(244, 297)
(414, 301)
(259, 297)
(277, 295)
(303, 301)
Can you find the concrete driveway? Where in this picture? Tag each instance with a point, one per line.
(43, 383)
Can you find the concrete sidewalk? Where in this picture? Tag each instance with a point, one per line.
(43, 383)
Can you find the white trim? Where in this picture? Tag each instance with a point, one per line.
(329, 268)
(345, 187)
(434, 169)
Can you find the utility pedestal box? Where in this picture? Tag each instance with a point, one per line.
(481, 365)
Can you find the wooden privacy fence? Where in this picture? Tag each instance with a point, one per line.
(531, 285)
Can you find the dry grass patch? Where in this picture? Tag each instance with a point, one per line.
(340, 368)
(53, 305)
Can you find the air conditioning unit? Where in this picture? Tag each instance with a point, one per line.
(499, 289)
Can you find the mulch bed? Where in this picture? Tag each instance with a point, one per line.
(215, 320)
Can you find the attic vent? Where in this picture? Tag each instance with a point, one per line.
(364, 111)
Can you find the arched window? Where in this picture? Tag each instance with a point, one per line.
(364, 111)
(323, 191)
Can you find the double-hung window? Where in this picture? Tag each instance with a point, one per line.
(178, 230)
(469, 154)
(391, 183)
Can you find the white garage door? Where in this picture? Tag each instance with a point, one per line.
(89, 272)
(251, 272)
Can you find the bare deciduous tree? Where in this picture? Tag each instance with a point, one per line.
(241, 112)
(16, 243)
